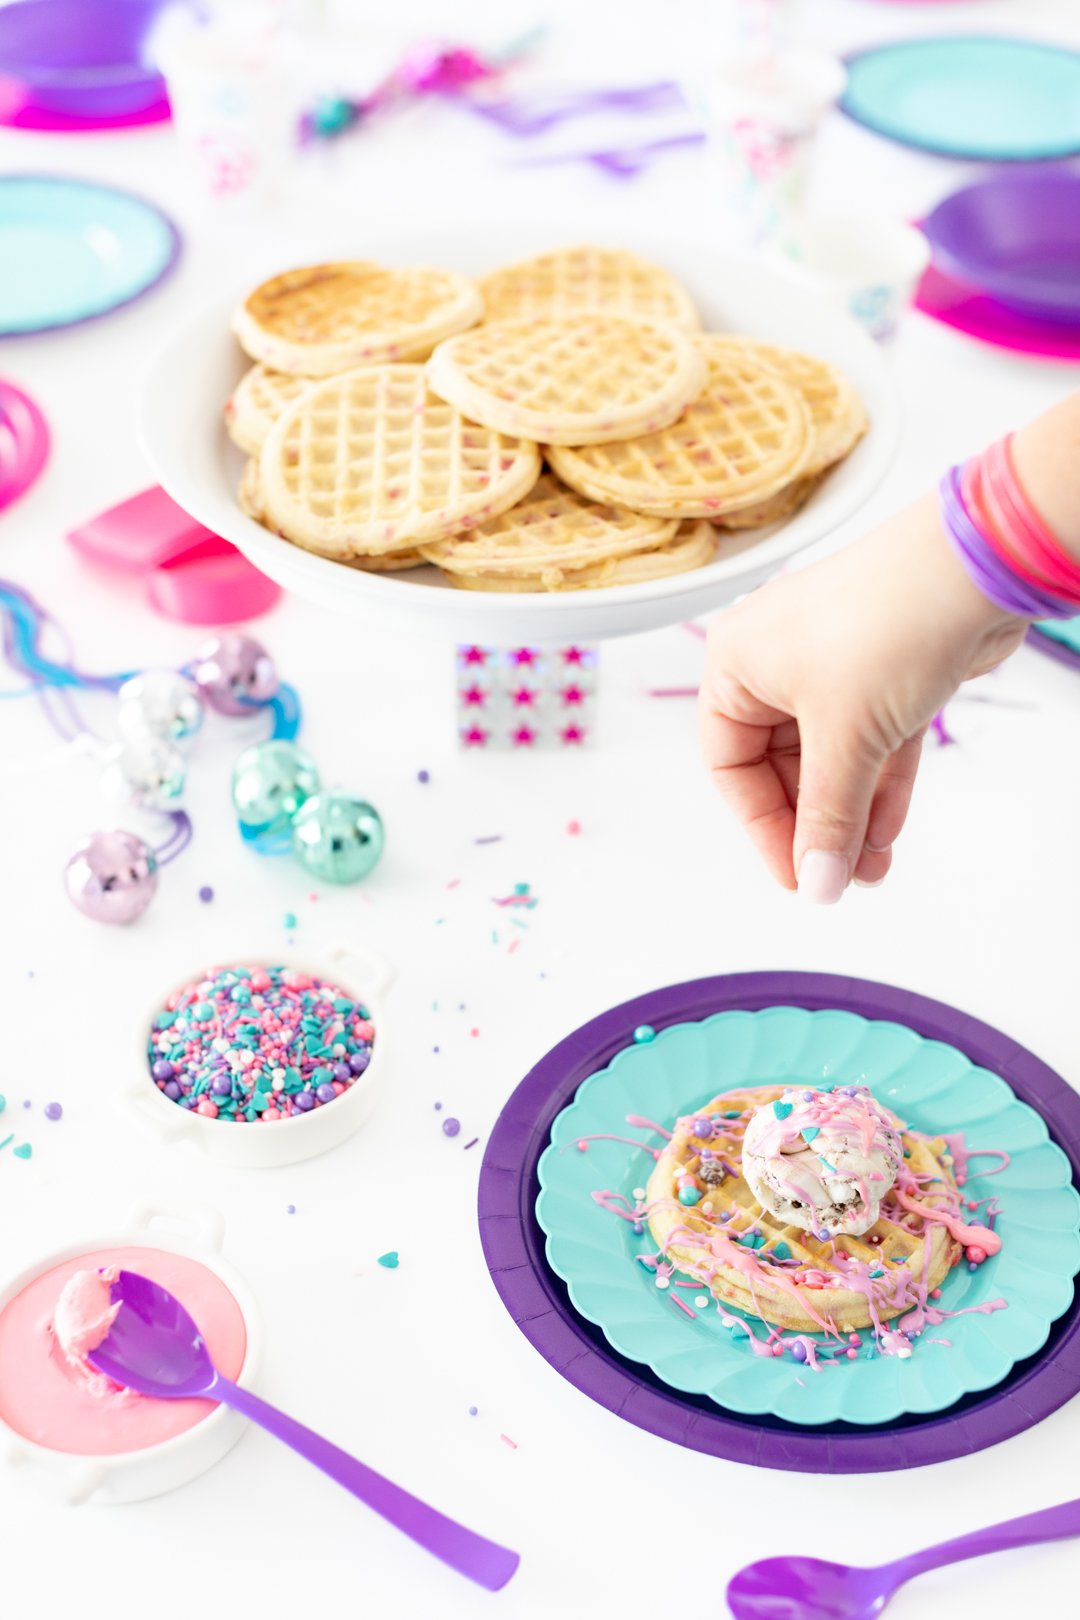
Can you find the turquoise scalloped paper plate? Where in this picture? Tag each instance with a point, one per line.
(934, 1088)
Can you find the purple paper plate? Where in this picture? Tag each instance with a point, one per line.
(538, 1302)
(1017, 238)
(84, 58)
(24, 443)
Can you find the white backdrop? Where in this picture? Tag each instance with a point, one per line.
(657, 887)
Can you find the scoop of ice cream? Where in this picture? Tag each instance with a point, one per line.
(822, 1160)
(83, 1315)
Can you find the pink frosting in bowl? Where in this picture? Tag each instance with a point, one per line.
(50, 1395)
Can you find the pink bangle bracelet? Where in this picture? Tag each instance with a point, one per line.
(990, 524)
(1025, 533)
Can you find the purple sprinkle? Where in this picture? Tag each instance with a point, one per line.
(493, 838)
(27, 1103)
(358, 1062)
(638, 1228)
(221, 1085)
(423, 776)
(473, 1411)
(290, 1209)
(438, 1107)
(325, 1092)
(172, 1091)
(435, 1049)
(304, 1100)
(451, 1126)
(798, 1352)
(162, 1069)
(206, 894)
(342, 1071)
(53, 1110)
(468, 1145)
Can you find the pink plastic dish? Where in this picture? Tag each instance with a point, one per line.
(137, 1447)
(968, 310)
(24, 443)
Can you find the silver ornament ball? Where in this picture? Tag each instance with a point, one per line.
(161, 703)
(235, 673)
(271, 780)
(145, 770)
(112, 876)
(337, 837)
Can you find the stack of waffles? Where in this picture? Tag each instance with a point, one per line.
(562, 424)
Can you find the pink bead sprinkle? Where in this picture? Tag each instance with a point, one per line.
(852, 1355)
(582, 1146)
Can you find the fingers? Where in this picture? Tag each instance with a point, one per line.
(739, 757)
(889, 809)
(838, 779)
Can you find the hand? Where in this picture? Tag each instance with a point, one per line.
(818, 689)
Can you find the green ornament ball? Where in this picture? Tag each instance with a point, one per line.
(338, 837)
(271, 780)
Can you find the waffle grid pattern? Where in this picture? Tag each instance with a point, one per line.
(568, 281)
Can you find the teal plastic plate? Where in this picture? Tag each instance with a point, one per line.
(71, 250)
(934, 1088)
(991, 98)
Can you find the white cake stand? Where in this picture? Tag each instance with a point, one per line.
(185, 441)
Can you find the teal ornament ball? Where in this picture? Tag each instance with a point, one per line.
(271, 780)
(338, 838)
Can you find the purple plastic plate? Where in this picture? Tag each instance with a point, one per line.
(84, 58)
(24, 443)
(1053, 648)
(971, 311)
(1017, 238)
(538, 1302)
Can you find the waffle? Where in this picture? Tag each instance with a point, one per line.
(587, 379)
(554, 285)
(256, 403)
(547, 536)
(782, 505)
(814, 1293)
(369, 462)
(837, 417)
(693, 545)
(743, 440)
(327, 318)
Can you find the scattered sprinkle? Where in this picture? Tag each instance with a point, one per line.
(290, 1209)
(289, 919)
(473, 1410)
(423, 777)
(23, 1151)
(389, 1259)
(573, 828)
(53, 1110)
(505, 1438)
(206, 894)
(471, 1144)
(6, 1140)
(454, 883)
(3, 1103)
(27, 1102)
(700, 1301)
(451, 1126)
(438, 1106)
(582, 1146)
(521, 896)
(644, 1033)
(474, 1033)
(492, 838)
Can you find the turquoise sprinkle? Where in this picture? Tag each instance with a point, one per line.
(738, 1330)
(732, 1113)
(320, 1077)
(165, 1020)
(289, 919)
(810, 1131)
(3, 1103)
(875, 1274)
(825, 1165)
(203, 1011)
(23, 1151)
(782, 1109)
(781, 1251)
(389, 1260)
(343, 1006)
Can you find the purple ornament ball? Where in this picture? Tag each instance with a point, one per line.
(235, 673)
(112, 877)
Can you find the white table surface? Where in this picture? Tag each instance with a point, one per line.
(658, 887)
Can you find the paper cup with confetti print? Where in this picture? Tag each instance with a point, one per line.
(762, 121)
(235, 102)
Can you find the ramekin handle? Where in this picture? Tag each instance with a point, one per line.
(372, 971)
(81, 1481)
(196, 1220)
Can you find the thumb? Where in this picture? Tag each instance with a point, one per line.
(838, 775)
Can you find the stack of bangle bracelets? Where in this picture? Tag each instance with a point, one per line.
(1005, 546)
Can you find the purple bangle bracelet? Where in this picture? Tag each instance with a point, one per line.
(985, 568)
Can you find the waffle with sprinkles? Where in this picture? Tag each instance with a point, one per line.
(370, 462)
(692, 546)
(837, 418)
(585, 379)
(707, 1222)
(327, 318)
(569, 280)
(745, 437)
(256, 403)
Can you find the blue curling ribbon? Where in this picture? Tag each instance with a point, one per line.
(287, 712)
(24, 621)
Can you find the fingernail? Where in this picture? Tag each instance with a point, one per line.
(823, 877)
(861, 883)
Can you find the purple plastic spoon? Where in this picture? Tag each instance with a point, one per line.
(155, 1348)
(811, 1589)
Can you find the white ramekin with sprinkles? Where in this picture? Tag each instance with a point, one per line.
(265, 1060)
(110, 1445)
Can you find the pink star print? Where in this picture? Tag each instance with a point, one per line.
(474, 697)
(474, 655)
(572, 734)
(523, 737)
(524, 655)
(573, 655)
(524, 696)
(573, 694)
(474, 737)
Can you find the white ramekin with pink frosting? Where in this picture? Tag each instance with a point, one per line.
(102, 1443)
(355, 970)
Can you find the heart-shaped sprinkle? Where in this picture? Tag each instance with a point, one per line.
(810, 1131)
(782, 1109)
(781, 1251)
(389, 1260)
(23, 1151)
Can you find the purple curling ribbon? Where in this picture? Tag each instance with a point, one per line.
(985, 568)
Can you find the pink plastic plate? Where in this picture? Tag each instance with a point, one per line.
(968, 310)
